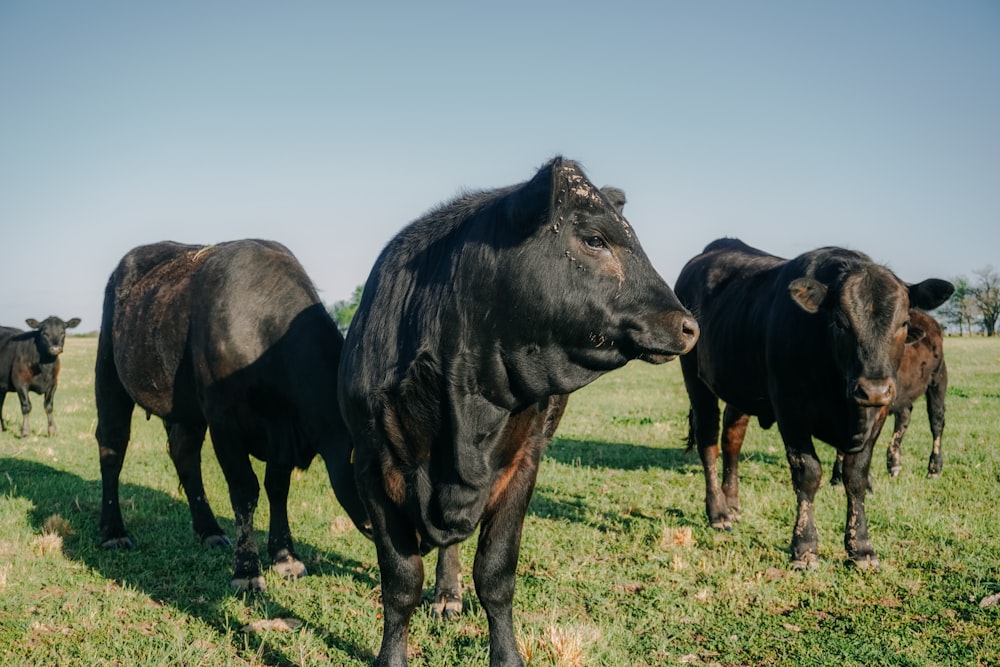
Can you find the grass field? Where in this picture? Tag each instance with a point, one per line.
(618, 565)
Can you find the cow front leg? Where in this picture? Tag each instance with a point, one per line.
(856, 540)
(3, 396)
(284, 561)
(50, 408)
(734, 430)
(894, 452)
(806, 471)
(22, 394)
(448, 584)
(185, 442)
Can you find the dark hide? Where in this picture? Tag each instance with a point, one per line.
(29, 361)
(234, 339)
(812, 343)
(922, 372)
(475, 322)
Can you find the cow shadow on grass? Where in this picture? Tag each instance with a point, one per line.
(161, 522)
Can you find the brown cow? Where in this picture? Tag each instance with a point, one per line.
(922, 372)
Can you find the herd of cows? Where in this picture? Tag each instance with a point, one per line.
(476, 323)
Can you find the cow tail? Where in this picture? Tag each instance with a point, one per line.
(690, 441)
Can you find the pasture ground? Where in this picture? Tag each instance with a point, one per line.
(618, 565)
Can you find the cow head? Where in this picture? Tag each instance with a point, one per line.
(577, 280)
(51, 334)
(867, 314)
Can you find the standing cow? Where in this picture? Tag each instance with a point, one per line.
(475, 322)
(234, 339)
(812, 343)
(29, 361)
(922, 372)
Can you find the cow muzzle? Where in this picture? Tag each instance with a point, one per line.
(875, 393)
(673, 333)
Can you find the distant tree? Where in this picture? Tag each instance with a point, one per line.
(342, 312)
(986, 294)
(960, 309)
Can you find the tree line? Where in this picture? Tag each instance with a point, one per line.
(974, 307)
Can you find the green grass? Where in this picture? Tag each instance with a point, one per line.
(618, 564)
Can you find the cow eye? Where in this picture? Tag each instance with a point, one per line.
(595, 242)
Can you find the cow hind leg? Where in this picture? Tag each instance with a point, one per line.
(284, 561)
(185, 442)
(244, 491)
(935, 414)
(114, 424)
(447, 602)
(734, 430)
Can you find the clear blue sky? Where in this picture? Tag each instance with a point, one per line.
(330, 125)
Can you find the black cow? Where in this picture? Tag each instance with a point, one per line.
(922, 372)
(233, 338)
(475, 323)
(812, 343)
(29, 361)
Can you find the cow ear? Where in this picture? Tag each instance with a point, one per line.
(808, 293)
(528, 206)
(930, 293)
(75, 322)
(33, 323)
(913, 334)
(616, 196)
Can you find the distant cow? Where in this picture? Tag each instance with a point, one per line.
(29, 361)
(233, 338)
(475, 322)
(922, 372)
(812, 343)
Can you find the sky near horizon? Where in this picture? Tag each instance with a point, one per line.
(328, 126)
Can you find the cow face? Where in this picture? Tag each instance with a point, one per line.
(52, 334)
(867, 312)
(582, 281)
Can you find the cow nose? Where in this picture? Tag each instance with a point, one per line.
(874, 393)
(689, 333)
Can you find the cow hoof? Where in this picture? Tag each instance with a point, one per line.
(117, 543)
(448, 606)
(868, 562)
(217, 541)
(809, 561)
(895, 470)
(290, 568)
(723, 524)
(248, 584)
(933, 475)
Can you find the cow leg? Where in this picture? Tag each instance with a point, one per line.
(703, 431)
(185, 442)
(734, 430)
(856, 541)
(22, 394)
(114, 426)
(3, 396)
(894, 452)
(935, 414)
(49, 407)
(244, 491)
(837, 476)
(448, 584)
(806, 471)
(277, 479)
(402, 573)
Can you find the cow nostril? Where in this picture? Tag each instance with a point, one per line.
(690, 330)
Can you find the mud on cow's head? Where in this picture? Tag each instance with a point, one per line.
(577, 273)
(867, 312)
(51, 333)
